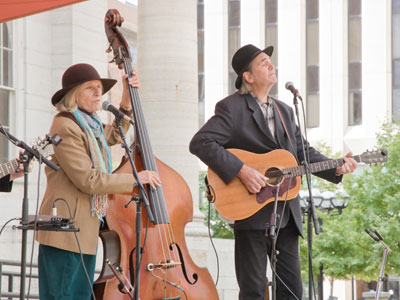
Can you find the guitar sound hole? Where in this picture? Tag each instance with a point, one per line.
(273, 174)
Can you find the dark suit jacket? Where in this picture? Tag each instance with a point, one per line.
(5, 184)
(239, 123)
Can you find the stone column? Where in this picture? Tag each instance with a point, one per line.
(167, 67)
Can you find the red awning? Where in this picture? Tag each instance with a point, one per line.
(13, 9)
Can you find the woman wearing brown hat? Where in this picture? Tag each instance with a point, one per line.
(84, 180)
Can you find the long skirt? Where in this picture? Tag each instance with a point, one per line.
(62, 276)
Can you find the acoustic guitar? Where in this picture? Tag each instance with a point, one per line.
(233, 201)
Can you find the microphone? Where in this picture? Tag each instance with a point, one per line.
(289, 86)
(375, 238)
(107, 105)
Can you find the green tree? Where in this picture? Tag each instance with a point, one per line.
(373, 199)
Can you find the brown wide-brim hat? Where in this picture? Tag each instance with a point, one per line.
(243, 57)
(77, 74)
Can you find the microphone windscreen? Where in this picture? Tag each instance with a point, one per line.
(288, 85)
(106, 104)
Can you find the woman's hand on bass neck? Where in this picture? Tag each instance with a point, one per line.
(133, 82)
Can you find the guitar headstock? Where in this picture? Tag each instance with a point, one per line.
(45, 145)
(374, 157)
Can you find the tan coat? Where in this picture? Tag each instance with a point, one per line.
(74, 182)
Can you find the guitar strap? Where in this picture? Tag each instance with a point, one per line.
(287, 133)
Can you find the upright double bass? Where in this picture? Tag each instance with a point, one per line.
(166, 269)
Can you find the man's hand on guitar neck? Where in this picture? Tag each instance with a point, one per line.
(252, 179)
(349, 165)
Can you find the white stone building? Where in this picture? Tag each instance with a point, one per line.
(342, 55)
(37, 49)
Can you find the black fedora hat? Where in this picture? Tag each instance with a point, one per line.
(77, 74)
(243, 57)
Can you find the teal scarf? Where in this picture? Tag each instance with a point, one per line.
(94, 129)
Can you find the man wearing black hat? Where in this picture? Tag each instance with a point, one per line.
(253, 121)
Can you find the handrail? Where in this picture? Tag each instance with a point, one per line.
(11, 274)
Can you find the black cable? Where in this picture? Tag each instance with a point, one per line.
(5, 224)
(171, 284)
(185, 294)
(141, 255)
(144, 243)
(83, 265)
(280, 279)
(211, 197)
(212, 242)
(80, 250)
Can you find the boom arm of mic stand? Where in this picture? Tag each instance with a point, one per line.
(307, 169)
(29, 150)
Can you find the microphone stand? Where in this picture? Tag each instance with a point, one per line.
(273, 236)
(26, 158)
(123, 288)
(378, 238)
(311, 214)
(141, 197)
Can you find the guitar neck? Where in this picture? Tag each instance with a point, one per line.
(317, 167)
(8, 167)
